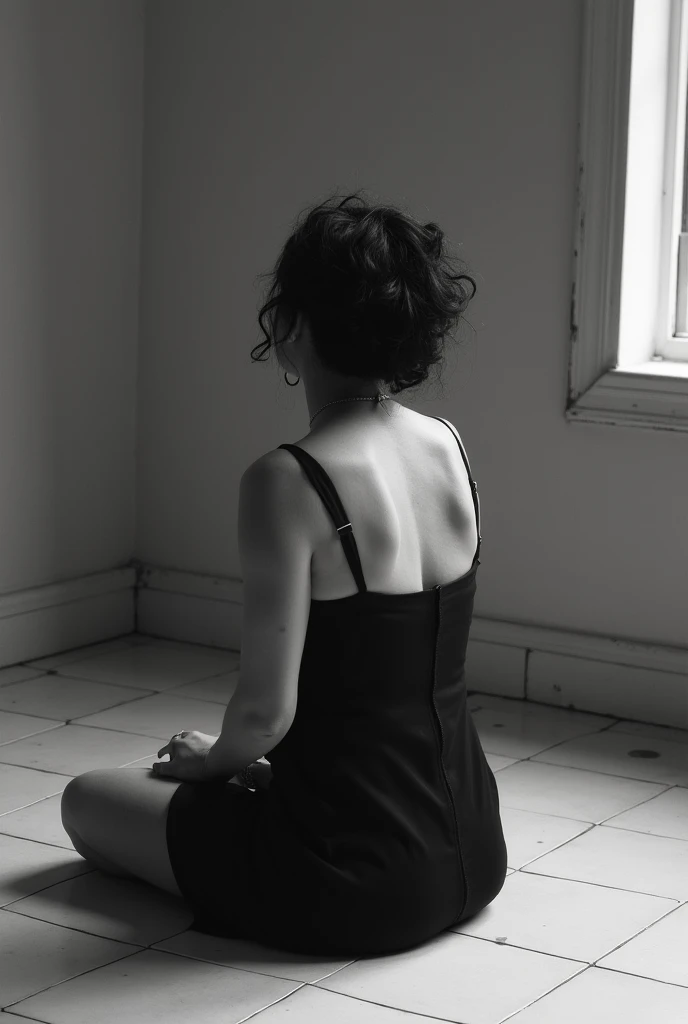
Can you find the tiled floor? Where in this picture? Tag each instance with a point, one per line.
(591, 925)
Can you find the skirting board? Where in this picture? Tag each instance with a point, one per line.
(44, 620)
(610, 676)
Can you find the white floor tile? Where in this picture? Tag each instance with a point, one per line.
(529, 835)
(63, 698)
(456, 978)
(28, 867)
(635, 757)
(115, 908)
(604, 997)
(525, 729)
(217, 689)
(22, 786)
(151, 987)
(663, 815)
(16, 727)
(41, 822)
(142, 762)
(659, 732)
(569, 792)
(563, 917)
(141, 640)
(660, 952)
(35, 955)
(17, 673)
(311, 1005)
(160, 716)
(251, 956)
(498, 761)
(622, 859)
(144, 640)
(152, 667)
(81, 653)
(73, 749)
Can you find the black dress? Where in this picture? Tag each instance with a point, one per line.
(380, 827)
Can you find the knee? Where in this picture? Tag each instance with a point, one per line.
(75, 797)
(71, 798)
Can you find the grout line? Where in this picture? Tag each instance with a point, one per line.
(72, 977)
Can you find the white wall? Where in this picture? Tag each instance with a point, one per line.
(70, 176)
(465, 112)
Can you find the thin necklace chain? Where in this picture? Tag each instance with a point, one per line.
(370, 398)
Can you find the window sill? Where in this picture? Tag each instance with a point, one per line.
(652, 395)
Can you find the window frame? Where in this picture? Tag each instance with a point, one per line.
(673, 281)
(619, 373)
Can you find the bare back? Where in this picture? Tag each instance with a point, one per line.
(405, 488)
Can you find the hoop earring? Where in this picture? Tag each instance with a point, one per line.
(289, 382)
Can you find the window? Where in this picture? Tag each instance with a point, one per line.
(629, 302)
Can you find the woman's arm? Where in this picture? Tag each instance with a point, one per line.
(243, 739)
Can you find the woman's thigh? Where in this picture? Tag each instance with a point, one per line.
(122, 813)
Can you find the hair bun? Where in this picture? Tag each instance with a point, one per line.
(376, 286)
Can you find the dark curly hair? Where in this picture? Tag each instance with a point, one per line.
(375, 286)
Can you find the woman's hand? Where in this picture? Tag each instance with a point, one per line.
(188, 752)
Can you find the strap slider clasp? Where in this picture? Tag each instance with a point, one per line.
(351, 529)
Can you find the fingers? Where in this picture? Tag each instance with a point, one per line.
(167, 749)
(163, 767)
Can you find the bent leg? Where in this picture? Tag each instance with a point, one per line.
(97, 859)
(120, 815)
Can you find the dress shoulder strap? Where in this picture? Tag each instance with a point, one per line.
(474, 486)
(332, 502)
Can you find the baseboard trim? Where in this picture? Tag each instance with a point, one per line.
(44, 620)
(606, 675)
(617, 650)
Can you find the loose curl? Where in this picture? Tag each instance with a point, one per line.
(376, 287)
